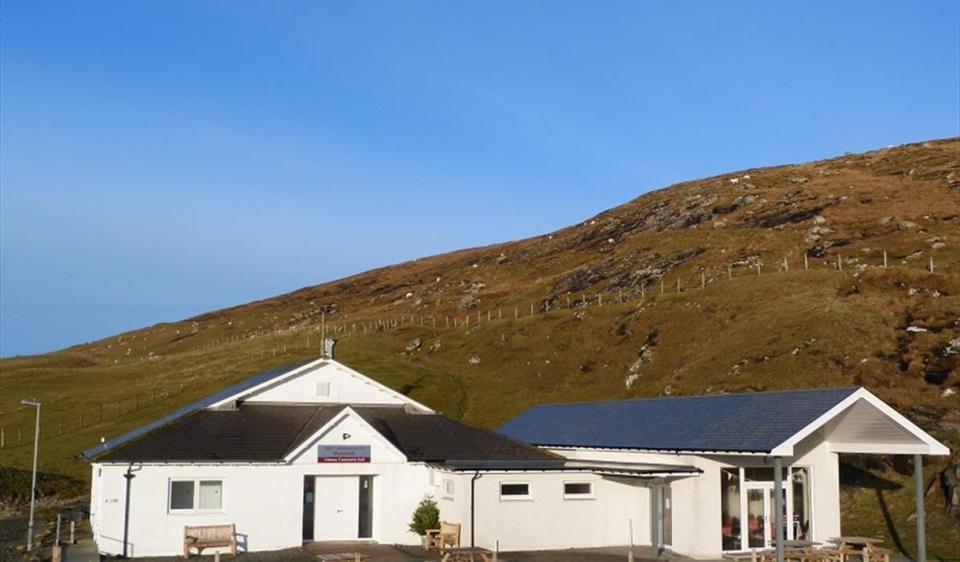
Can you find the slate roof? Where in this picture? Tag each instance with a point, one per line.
(268, 432)
(192, 408)
(753, 422)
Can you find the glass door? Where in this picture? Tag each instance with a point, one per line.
(666, 514)
(758, 517)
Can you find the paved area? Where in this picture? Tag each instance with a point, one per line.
(84, 551)
(371, 552)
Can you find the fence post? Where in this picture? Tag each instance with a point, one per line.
(531, 309)
(786, 266)
(643, 290)
(620, 295)
(599, 299)
(499, 314)
(806, 265)
(758, 268)
(839, 262)
(703, 280)
(931, 264)
(516, 312)
(884, 259)
(661, 286)
(678, 284)
(729, 271)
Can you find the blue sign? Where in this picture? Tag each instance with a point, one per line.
(343, 453)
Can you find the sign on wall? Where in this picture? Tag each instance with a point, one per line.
(343, 453)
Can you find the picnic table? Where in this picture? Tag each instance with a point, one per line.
(753, 555)
(466, 554)
(867, 547)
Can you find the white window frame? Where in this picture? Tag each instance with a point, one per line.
(514, 498)
(588, 496)
(196, 495)
(449, 488)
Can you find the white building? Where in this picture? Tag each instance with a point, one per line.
(319, 452)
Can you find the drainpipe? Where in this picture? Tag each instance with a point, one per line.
(473, 510)
(129, 476)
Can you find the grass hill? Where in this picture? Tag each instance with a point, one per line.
(815, 274)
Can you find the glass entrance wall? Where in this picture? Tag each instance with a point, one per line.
(747, 512)
(756, 518)
(800, 481)
(730, 508)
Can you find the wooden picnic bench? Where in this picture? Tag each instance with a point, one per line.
(466, 554)
(448, 535)
(866, 547)
(207, 536)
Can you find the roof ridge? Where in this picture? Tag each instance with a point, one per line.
(852, 388)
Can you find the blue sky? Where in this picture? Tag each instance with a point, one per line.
(160, 159)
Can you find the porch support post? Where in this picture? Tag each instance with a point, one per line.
(778, 504)
(921, 516)
(655, 518)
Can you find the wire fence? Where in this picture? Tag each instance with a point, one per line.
(17, 427)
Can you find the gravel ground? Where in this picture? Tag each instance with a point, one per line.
(13, 533)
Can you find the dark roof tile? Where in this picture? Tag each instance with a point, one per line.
(749, 422)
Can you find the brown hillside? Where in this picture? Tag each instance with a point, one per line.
(484, 333)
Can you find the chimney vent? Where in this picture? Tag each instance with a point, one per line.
(328, 345)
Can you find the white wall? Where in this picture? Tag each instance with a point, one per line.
(696, 500)
(345, 388)
(264, 501)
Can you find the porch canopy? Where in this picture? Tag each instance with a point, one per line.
(769, 424)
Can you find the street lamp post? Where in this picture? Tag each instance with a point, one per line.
(33, 486)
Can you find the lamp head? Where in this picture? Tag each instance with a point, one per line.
(30, 402)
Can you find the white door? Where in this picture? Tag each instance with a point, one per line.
(337, 500)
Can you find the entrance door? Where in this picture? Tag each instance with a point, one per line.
(759, 512)
(666, 514)
(365, 529)
(337, 508)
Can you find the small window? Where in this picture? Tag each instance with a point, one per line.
(577, 490)
(196, 495)
(181, 494)
(448, 488)
(515, 491)
(323, 389)
(210, 494)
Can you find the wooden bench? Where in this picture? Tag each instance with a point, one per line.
(448, 535)
(206, 536)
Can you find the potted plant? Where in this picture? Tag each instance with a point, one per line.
(425, 518)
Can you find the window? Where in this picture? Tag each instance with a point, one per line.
(577, 490)
(448, 488)
(196, 495)
(181, 495)
(515, 491)
(801, 503)
(730, 508)
(210, 494)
